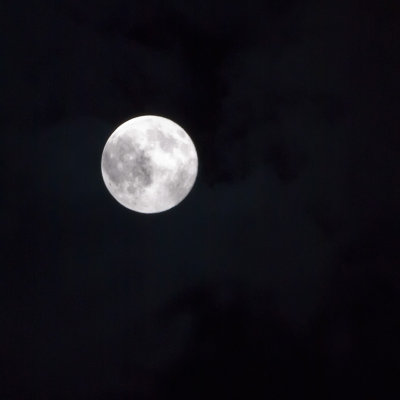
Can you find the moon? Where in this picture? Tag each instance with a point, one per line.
(149, 164)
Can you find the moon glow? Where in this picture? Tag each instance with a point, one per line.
(149, 164)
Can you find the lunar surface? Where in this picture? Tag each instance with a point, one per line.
(149, 164)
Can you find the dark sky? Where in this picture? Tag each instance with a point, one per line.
(277, 277)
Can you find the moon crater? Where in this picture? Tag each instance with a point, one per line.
(133, 164)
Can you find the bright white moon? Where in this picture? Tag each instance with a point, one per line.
(149, 164)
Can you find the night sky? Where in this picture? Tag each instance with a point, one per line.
(277, 277)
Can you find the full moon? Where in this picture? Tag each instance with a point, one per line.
(149, 164)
